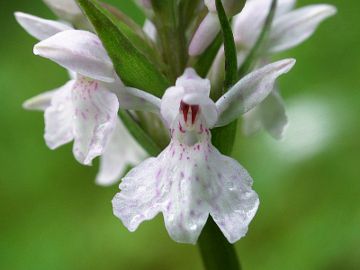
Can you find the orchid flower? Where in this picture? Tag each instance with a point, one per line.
(289, 29)
(85, 109)
(210, 26)
(191, 179)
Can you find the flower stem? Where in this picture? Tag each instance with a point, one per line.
(216, 252)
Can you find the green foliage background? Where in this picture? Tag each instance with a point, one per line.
(53, 216)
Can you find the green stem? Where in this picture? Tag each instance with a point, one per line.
(216, 252)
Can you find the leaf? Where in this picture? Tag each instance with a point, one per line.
(229, 47)
(130, 64)
(139, 134)
(224, 137)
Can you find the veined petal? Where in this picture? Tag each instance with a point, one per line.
(295, 27)
(270, 114)
(39, 102)
(205, 34)
(38, 27)
(59, 117)
(187, 183)
(79, 51)
(250, 91)
(122, 150)
(95, 116)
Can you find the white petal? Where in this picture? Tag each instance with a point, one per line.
(187, 183)
(250, 91)
(170, 103)
(78, 51)
(59, 117)
(235, 203)
(248, 24)
(284, 6)
(295, 27)
(205, 34)
(231, 7)
(121, 151)
(135, 99)
(39, 102)
(193, 83)
(150, 29)
(65, 9)
(38, 27)
(95, 118)
(270, 114)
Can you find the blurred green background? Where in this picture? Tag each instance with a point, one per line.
(53, 216)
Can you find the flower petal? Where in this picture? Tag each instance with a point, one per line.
(250, 91)
(139, 198)
(193, 83)
(94, 118)
(150, 29)
(205, 34)
(295, 27)
(170, 103)
(39, 102)
(235, 203)
(40, 28)
(284, 6)
(78, 51)
(135, 99)
(64, 9)
(59, 117)
(269, 114)
(122, 150)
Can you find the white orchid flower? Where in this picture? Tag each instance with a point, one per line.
(85, 109)
(289, 29)
(191, 179)
(210, 26)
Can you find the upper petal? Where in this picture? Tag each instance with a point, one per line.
(79, 51)
(59, 117)
(95, 118)
(38, 27)
(250, 91)
(193, 83)
(170, 103)
(295, 27)
(122, 150)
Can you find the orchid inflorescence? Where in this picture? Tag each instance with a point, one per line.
(159, 91)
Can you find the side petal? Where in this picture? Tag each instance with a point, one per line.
(40, 28)
(150, 29)
(78, 51)
(295, 27)
(140, 198)
(205, 34)
(40, 102)
(94, 118)
(170, 103)
(284, 6)
(235, 203)
(122, 150)
(273, 115)
(59, 117)
(250, 91)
